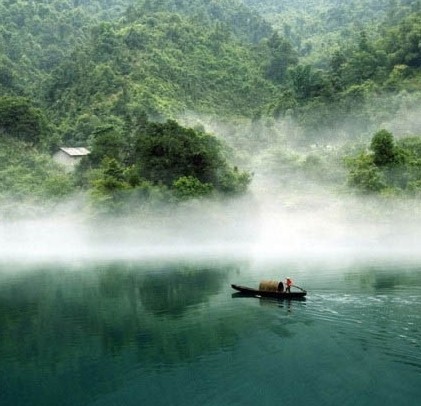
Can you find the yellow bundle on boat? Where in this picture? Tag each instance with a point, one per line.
(269, 286)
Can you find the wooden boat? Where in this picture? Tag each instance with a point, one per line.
(274, 294)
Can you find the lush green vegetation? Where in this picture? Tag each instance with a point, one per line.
(387, 166)
(116, 75)
(158, 162)
(230, 15)
(161, 63)
(30, 178)
(20, 120)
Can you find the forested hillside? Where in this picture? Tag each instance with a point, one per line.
(162, 63)
(105, 74)
(314, 27)
(231, 15)
(35, 37)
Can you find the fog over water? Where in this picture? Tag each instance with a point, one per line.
(282, 217)
(284, 226)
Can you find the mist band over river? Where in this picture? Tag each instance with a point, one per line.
(288, 225)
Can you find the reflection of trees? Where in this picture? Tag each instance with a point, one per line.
(380, 279)
(52, 317)
(173, 293)
(385, 281)
(282, 312)
(89, 328)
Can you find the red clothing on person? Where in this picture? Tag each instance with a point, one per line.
(289, 284)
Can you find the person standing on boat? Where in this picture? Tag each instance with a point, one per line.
(288, 283)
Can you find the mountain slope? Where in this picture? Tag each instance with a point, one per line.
(160, 63)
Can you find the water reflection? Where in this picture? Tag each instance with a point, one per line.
(173, 293)
(71, 336)
(374, 279)
(280, 316)
(109, 309)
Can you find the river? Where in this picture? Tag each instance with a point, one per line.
(173, 333)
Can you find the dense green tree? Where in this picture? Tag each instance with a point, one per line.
(21, 120)
(167, 152)
(402, 42)
(383, 147)
(234, 182)
(29, 175)
(167, 162)
(107, 142)
(395, 167)
(7, 75)
(364, 175)
(409, 149)
(281, 57)
(308, 83)
(189, 187)
(109, 185)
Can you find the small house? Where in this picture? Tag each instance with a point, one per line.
(70, 157)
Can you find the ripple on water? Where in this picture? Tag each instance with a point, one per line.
(382, 321)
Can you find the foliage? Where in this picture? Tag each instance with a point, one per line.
(108, 185)
(166, 158)
(364, 175)
(281, 56)
(383, 147)
(168, 151)
(410, 150)
(188, 187)
(341, 50)
(35, 37)
(20, 120)
(164, 63)
(26, 174)
(402, 42)
(107, 142)
(230, 15)
(173, 55)
(107, 74)
(390, 166)
(308, 83)
(234, 182)
(318, 27)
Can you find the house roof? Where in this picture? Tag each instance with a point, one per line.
(75, 151)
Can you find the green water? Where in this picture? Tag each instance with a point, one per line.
(174, 334)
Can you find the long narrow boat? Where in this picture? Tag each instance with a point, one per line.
(275, 294)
